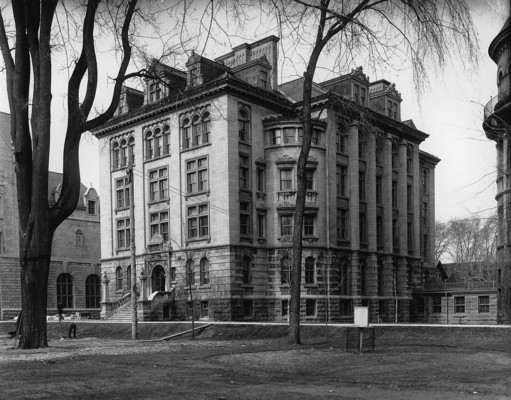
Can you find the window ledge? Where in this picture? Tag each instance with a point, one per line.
(146, 160)
(311, 286)
(184, 150)
(122, 209)
(204, 192)
(150, 203)
(205, 286)
(120, 168)
(199, 239)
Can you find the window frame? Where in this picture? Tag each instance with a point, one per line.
(123, 229)
(122, 193)
(93, 291)
(197, 175)
(286, 224)
(310, 271)
(483, 307)
(159, 225)
(204, 271)
(459, 304)
(65, 290)
(198, 218)
(158, 184)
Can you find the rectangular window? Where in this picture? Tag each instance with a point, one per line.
(245, 212)
(260, 180)
(286, 179)
(91, 207)
(123, 233)
(204, 309)
(244, 172)
(379, 230)
(285, 308)
(187, 136)
(362, 185)
(409, 232)
(286, 225)
(379, 190)
(261, 225)
(409, 199)
(263, 77)
(316, 137)
(158, 147)
(308, 225)
(342, 224)
(197, 175)
(425, 214)
(289, 135)
(344, 278)
(158, 184)
(309, 179)
(483, 304)
(437, 304)
(275, 136)
(159, 224)
(394, 194)
(424, 181)
(122, 193)
(345, 308)
(310, 308)
(363, 228)
(395, 233)
(198, 221)
(341, 179)
(459, 304)
(247, 308)
(425, 247)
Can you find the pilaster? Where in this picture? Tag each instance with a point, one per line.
(353, 170)
(401, 200)
(371, 192)
(387, 195)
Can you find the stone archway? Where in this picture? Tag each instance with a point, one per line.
(158, 279)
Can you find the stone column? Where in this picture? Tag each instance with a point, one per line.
(371, 192)
(106, 304)
(402, 289)
(416, 203)
(388, 289)
(355, 278)
(144, 305)
(372, 285)
(387, 195)
(401, 200)
(353, 169)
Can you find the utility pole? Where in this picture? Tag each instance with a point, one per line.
(134, 327)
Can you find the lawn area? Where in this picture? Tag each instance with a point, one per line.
(254, 362)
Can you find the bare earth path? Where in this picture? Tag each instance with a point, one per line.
(407, 364)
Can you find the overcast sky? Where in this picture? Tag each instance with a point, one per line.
(450, 111)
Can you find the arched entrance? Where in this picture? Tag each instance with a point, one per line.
(158, 279)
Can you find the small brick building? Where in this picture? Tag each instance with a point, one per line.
(74, 278)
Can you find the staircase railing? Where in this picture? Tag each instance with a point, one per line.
(158, 297)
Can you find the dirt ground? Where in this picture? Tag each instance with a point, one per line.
(254, 362)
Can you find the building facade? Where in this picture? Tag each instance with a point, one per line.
(214, 152)
(497, 126)
(455, 300)
(74, 277)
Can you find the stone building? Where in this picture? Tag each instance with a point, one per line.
(214, 152)
(497, 122)
(468, 301)
(74, 278)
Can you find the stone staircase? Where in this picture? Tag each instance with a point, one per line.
(123, 314)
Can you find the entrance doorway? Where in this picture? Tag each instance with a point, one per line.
(158, 279)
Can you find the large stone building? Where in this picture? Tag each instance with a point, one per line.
(214, 152)
(497, 125)
(74, 278)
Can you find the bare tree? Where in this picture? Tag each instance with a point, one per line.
(28, 53)
(471, 245)
(415, 31)
(442, 239)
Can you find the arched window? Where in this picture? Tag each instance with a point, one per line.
(309, 271)
(206, 127)
(285, 271)
(196, 130)
(158, 279)
(166, 140)
(247, 273)
(190, 272)
(79, 238)
(92, 292)
(243, 125)
(149, 145)
(131, 150)
(344, 276)
(187, 133)
(158, 143)
(65, 290)
(115, 155)
(128, 278)
(204, 271)
(124, 153)
(118, 278)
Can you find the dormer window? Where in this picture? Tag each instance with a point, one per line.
(155, 92)
(263, 78)
(91, 207)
